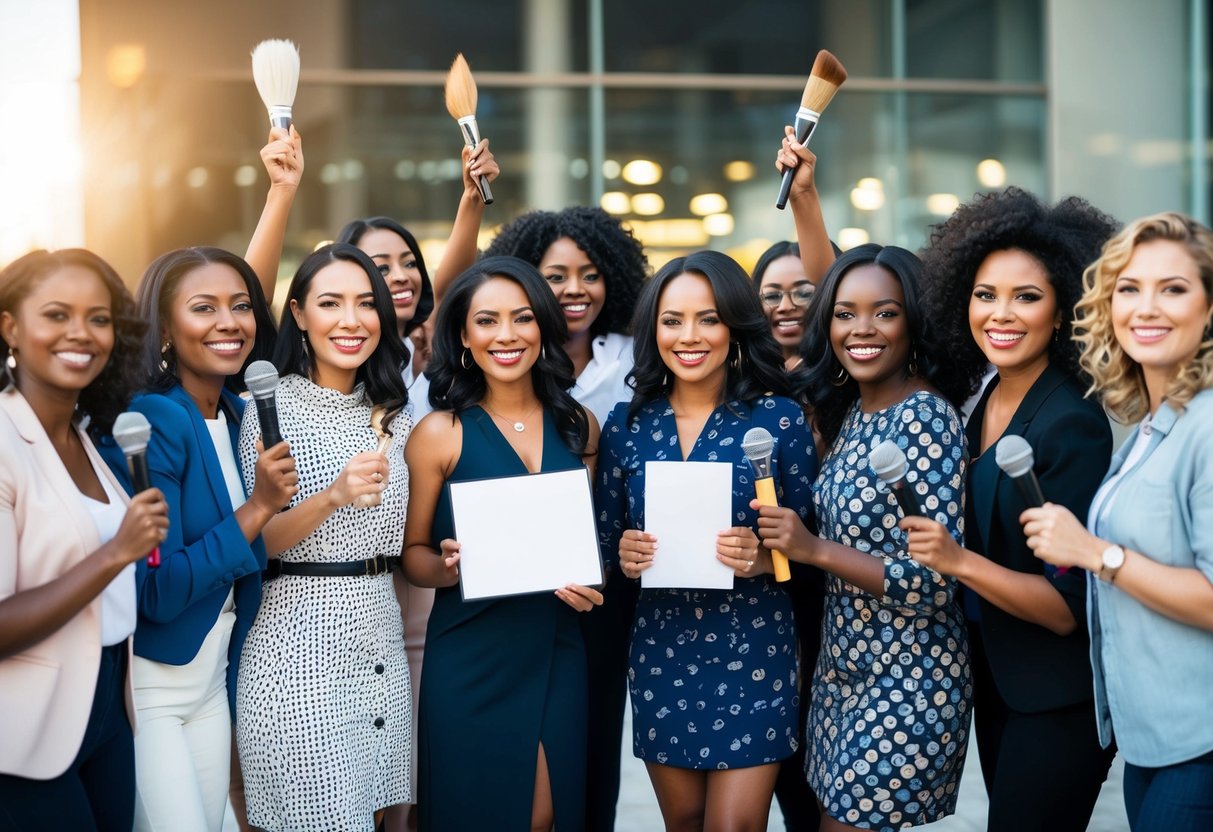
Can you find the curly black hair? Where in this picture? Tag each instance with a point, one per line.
(154, 298)
(612, 248)
(755, 365)
(816, 384)
(110, 392)
(456, 387)
(1064, 239)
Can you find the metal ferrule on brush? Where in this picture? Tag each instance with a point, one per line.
(471, 132)
(280, 116)
(806, 120)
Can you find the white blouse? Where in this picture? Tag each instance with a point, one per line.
(118, 606)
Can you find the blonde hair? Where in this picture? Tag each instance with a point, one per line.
(1115, 377)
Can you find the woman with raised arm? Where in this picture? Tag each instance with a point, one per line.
(1004, 273)
(323, 702)
(70, 340)
(505, 678)
(712, 672)
(1145, 326)
(892, 690)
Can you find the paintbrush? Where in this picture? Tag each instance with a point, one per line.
(276, 74)
(461, 104)
(827, 76)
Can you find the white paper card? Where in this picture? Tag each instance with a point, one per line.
(529, 533)
(685, 505)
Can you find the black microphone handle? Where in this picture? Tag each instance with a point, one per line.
(267, 415)
(1029, 489)
(907, 499)
(140, 477)
(803, 131)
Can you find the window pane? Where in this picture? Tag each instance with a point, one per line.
(996, 40)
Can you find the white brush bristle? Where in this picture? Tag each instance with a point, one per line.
(276, 72)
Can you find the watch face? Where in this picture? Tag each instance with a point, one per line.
(1113, 557)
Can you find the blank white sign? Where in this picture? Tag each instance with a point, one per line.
(685, 505)
(528, 533)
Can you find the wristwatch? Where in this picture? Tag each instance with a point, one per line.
(1111, 560)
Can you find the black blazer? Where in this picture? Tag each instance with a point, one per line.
(1034, 668)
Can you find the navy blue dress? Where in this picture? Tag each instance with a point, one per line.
(889, 723)
(712, 673)
(501, 676)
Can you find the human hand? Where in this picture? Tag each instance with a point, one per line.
(478, 161)
(636, 552)
(781, 528)
(283, 157)
(580, 598)
(276, 481)
(365, 473)
(738, 549)
(143, 527)
(1056, 536)
(450, 562)
(929, 543)
(793, 154)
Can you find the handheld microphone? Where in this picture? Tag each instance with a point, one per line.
(1014, 456)
(132, 431)
(261, 378)
(758, 445)
(889, 464)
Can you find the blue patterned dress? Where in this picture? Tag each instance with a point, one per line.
(889, 722)
(712, 673)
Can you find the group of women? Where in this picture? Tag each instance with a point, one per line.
(847, 692)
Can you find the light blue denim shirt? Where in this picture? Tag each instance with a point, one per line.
(1154, 675)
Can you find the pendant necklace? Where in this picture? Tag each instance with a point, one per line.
(520, 425)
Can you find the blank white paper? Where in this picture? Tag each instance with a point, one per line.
(528, 533)
(685, 505)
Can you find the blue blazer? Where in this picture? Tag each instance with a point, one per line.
(205, 553)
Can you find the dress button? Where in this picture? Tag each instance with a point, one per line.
(379, 722)
(379, 668)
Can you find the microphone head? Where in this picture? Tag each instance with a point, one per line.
(888, 461)
(757, 444)
(132, 431)
(261, 379)
(1014, 455)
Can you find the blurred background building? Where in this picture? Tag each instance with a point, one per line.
(132, 126)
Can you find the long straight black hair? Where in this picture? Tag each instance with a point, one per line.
(456, 387)
(818, 384)
(154, 298)
(355, 230)
(381, 372)
(755, 364)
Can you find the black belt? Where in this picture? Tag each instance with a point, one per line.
(378, 565)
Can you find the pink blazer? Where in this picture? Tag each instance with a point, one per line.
(46, 692)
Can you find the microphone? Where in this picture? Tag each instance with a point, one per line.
(758, 444)
(261, 379)
(827, 76)
(132, 431)
(1014, 456)
(889, 464)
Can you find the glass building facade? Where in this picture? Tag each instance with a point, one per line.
(945, 98)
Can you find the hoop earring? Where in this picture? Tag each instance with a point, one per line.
(464, 358)
(912, 367)
(164, 356)
(841, 378)
(543, 352)
(666, 383)
(737, 359)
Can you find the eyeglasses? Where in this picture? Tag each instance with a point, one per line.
(799, 296)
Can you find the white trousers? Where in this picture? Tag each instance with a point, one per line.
(183, 747)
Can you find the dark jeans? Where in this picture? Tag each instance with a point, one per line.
(1176, 798)
(97, 792)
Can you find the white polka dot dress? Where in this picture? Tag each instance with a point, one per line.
(323, 702)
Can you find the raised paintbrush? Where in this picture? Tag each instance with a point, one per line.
(461, 104)
(276, 74)
(827, 76)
